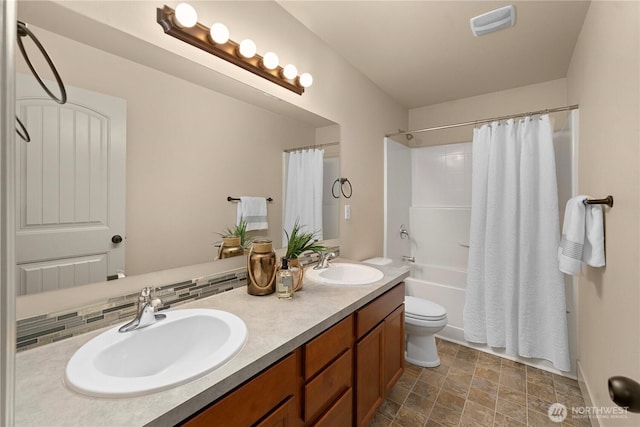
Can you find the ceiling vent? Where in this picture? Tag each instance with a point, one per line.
(493, 21)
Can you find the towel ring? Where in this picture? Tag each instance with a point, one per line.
(23, 31)
(342, 182)
(22, 131)
(333, 187)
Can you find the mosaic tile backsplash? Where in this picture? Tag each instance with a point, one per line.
(52, 327)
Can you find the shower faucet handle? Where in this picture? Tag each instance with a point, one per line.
(404, 232)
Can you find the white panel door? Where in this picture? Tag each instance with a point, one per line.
(70, 195)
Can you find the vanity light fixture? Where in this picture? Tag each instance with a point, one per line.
(219, 33)
(186, 16)
(270, 61)
(290, 71)
(247, 48)
(306, 79)
(182, 23)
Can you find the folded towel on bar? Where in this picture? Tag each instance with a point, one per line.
(582, 236)
(254, 211)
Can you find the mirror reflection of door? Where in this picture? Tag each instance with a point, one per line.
(70, 188)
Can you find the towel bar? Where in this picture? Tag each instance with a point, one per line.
(237, 199)
(606, 201)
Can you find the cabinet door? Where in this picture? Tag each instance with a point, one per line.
(369, 375)
(249, 403)
(283, 416)
(393, 361)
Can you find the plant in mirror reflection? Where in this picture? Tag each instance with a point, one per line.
(239, 230)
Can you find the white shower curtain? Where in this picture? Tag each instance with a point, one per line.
(303, 192)
(515, 290)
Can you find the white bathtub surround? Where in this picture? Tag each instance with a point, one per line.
(303, 192)
(582, 236)
(515, 291)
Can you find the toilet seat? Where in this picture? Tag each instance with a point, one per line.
(422, 309)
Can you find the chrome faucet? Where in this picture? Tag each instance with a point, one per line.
(146, 312)
(408, 258)
(324, 260)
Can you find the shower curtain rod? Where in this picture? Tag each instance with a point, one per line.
(328, 144)
(493, 119)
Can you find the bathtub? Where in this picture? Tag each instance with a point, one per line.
(445, 286)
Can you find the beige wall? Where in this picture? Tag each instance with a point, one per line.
(188, 148)
(604, 79)
(519, 100)
(339, 93)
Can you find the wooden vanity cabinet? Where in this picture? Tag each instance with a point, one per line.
(338, 378)
(379, 352)
(267, 400)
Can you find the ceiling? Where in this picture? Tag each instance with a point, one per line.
(423, 52)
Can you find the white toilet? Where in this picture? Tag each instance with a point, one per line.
(422, 320)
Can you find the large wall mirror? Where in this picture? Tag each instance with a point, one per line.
(144, 154)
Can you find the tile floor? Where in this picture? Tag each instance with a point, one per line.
(472, 388)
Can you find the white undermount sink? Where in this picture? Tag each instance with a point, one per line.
(186, 345)
(344, 274)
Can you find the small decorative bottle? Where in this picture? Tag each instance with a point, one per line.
(284, 281)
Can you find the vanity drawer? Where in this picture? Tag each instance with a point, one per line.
(374, 312)
(324, 389)
(320, 351)
(340, 414)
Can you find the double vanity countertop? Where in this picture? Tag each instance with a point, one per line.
(275, 328)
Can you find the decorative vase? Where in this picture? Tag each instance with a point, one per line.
(297, 271)
(262, 268)
(230, 247)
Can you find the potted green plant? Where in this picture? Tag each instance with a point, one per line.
(235, 236)
(298, 242)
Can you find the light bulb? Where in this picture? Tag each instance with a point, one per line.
(186, 16)
(290, 71)
(219, 33)
(306, 79)
(270, 61)
(247, 48)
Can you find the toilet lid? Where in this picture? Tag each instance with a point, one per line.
(423, 309)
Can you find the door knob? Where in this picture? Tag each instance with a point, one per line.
(116, 239)
(625, 392)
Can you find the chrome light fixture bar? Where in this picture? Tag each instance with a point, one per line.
(198, 35)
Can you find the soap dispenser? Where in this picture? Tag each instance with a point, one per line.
(284, 281)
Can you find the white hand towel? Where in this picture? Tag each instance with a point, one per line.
(593, 253)
(582, 236)
(254, 211)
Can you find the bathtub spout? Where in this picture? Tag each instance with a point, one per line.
(408, 258)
